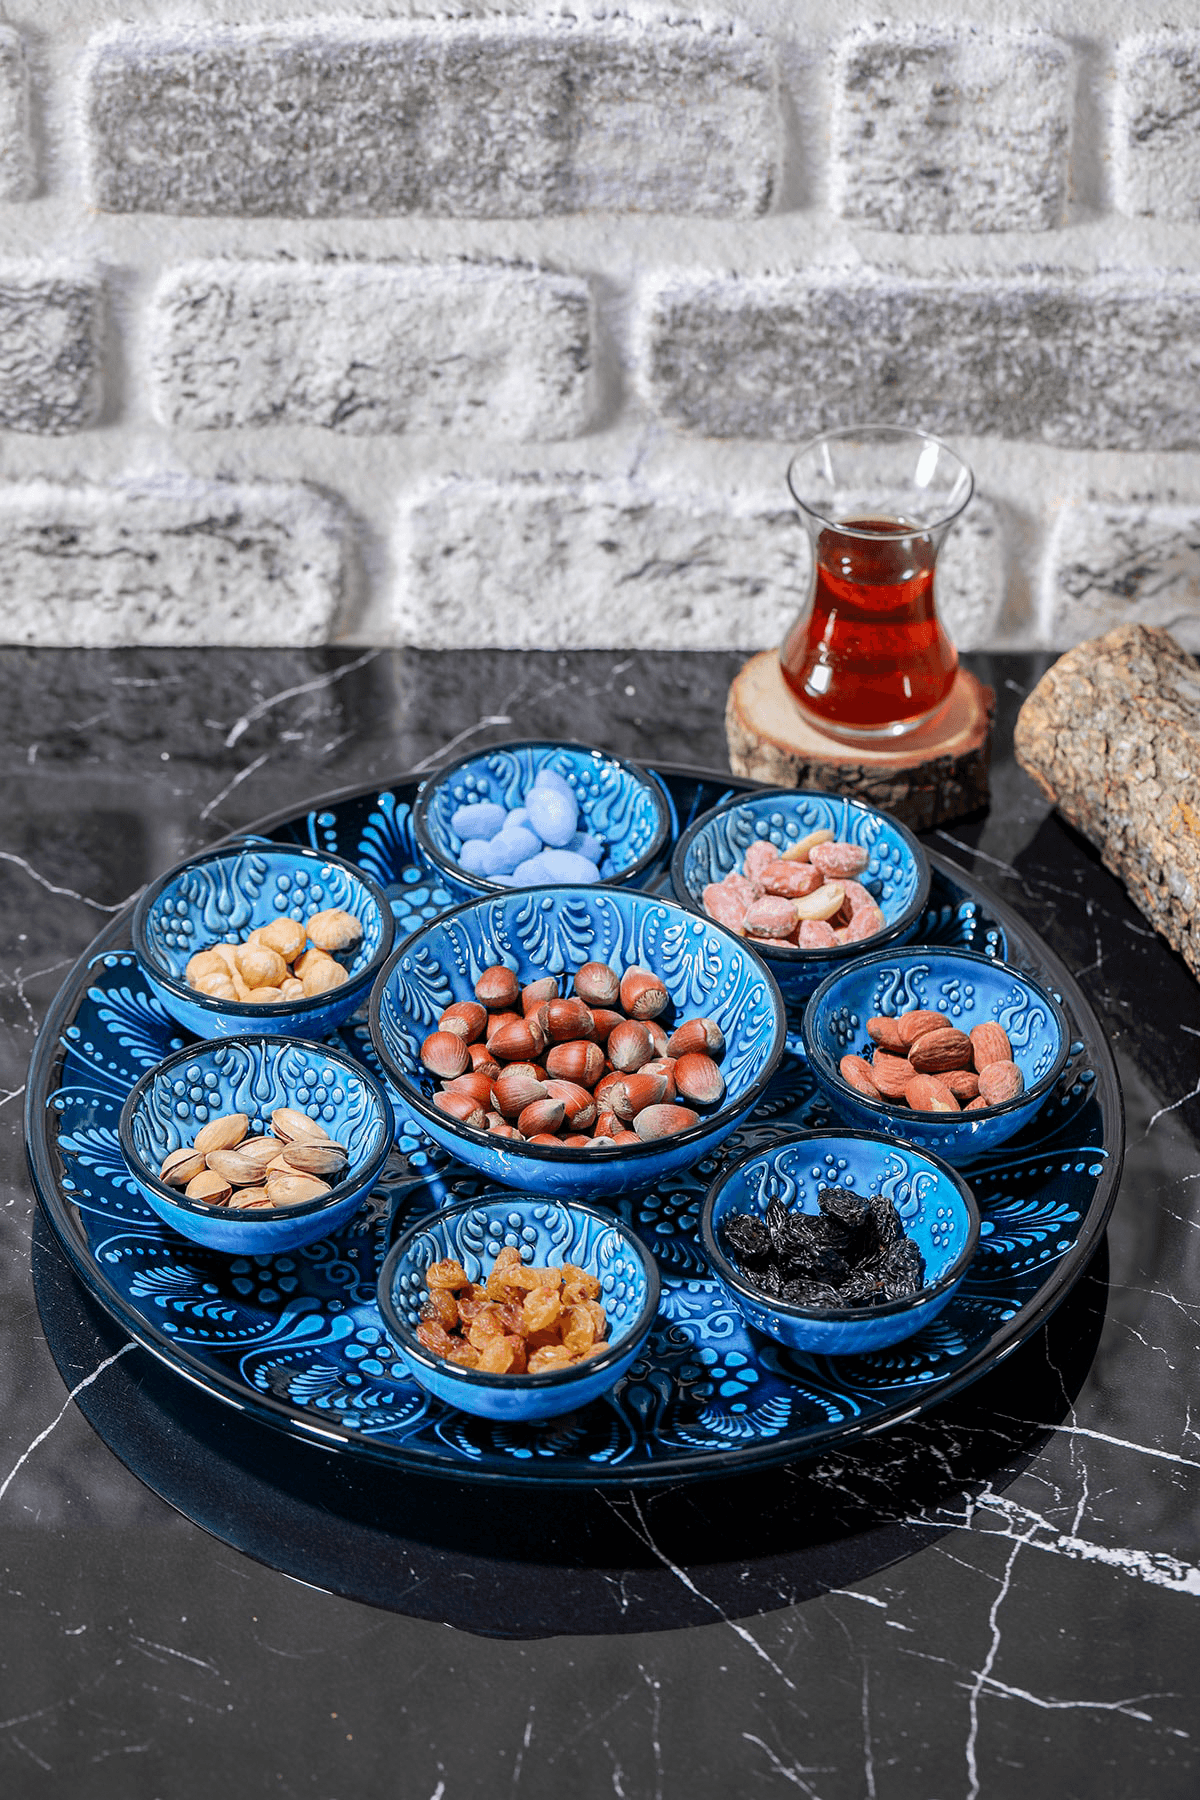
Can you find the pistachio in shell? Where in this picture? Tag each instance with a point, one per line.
(210, 1187)
(181, 1166)
(294, 1127)
(316, 1158)
(294, 1190)
(221, 1134)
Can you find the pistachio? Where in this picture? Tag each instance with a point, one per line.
(209, 1186)
(180, 1166)
(316, 1158)
(222, 1133)
(233, 1167)
(292, 1126)
(249, 1199)
(294, 1190)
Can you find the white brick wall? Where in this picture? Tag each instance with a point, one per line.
(169, 563)
(368, 347)
(943, 129)
(501, 329)
(467, 118)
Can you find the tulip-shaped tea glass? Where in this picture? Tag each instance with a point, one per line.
(867, 659)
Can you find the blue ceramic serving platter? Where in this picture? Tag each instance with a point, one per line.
(297, 1342)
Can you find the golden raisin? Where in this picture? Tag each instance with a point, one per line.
(496, 1356)
(448, 1274)
(550, 1356)
(462, 1353)
(434, 1338)
(441, 1308)
(541, 1309)
(579, 1330)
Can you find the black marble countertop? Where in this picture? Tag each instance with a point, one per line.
(1000, 1599)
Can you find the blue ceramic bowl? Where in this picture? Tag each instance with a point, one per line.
(936, 1205)
(897, 871)
(553, 931)
(225, 893)
(968, 989)
(547, 1233)
(622, 805)
(254, 1075)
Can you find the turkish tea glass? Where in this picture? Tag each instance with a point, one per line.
(868, 659)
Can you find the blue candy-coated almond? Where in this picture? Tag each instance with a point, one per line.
(584, 844)
(552, 815)
(481, 821)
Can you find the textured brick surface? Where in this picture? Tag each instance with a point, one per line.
(169, 563)
(1106, 363)
(51, 336)
(16, 149)
(1156, 145)
(562, 563)
(369, 347)
(941, 129)
(1114, 565)
(493, 119)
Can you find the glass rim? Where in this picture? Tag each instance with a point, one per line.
(880, 431)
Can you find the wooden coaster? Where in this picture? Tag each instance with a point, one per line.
(940, 773)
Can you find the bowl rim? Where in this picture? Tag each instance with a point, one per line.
(483, 884)
(552, 1378)
(563, 1153)
(821, 1058)
(366, 1174)
(839, 1315)
(311, 1003)
(792, 954)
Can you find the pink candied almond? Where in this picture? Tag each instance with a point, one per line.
(721, 903)
(816, 934)
(757, 858)
(791, 880)
(838, 860)
(770, 917)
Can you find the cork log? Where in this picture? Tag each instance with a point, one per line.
(938, 773)
(1111, 734)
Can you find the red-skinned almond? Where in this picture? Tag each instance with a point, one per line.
(963, 1084)
(891, 1074)
(911, 1025)
(990, 1044)
(855, 1071)
(1000, 1081)
(886, 1033)
(925, 1093)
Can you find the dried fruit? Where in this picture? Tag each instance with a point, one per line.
(520, 1320)
(852, 1252)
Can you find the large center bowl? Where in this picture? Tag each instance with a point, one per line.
(704, 968)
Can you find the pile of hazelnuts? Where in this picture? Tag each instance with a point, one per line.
(592, 1070)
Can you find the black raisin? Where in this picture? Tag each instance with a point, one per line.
(747, 1237)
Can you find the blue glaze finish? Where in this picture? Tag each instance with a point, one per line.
(969, 989)
(547, 1234)
(706, 971)
(296, 1340)
(897, 872)
(935, 1204)
(621, 805)
(254, 1075)
(228, 892)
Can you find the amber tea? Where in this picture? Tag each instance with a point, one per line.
(869, 654)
